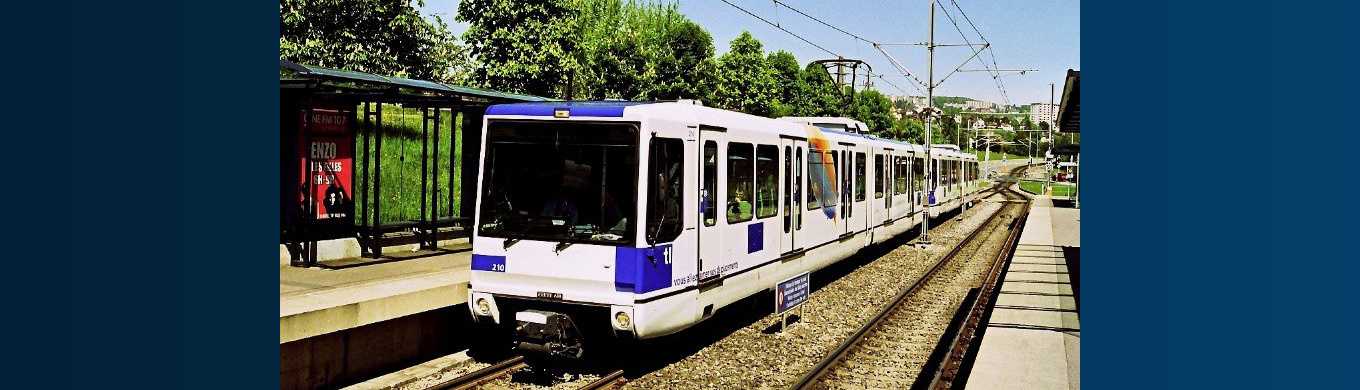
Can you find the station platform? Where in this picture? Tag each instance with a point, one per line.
(1033, 338)
(316, 301)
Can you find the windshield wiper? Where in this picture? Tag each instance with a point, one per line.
(562, 245)
(509, 242)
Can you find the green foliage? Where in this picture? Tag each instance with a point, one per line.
(789, 81)
(820, 98)
(686, 69)
(874, 109)
(746, 82)
(386, 37)
(521, 46)
(642, 52)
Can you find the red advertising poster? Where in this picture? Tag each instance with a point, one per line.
(329, 140)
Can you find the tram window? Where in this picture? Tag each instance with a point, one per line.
(788, 188)
(830, 191)
(845, 177)
(666, 161)
(767, 180)
(935, 173)
(918, 174)
(814, 174)
(740, 182)
(878, 176)
(900, 183)
(949, 169)
(859, 176)
(561, 182)
(707, 193)
(821, 180)
(798, 188)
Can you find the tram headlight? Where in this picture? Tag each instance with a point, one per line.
(483, 307)
(622, 320)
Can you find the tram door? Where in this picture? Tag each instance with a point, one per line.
(791, 192)
(710, 200)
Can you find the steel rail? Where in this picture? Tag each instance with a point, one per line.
(479, 377)
(611, 381)
(948, 371)
(822, 368)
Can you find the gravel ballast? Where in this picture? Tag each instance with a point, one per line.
(752, 358)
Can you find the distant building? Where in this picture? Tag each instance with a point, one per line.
(1043, 113)
(916, 101)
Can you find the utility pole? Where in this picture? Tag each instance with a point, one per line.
(1052, 122)
(930, 104)
(930, 111)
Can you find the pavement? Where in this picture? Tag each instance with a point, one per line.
(1033, 339)
(316, 301)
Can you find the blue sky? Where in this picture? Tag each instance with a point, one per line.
(1025, 34)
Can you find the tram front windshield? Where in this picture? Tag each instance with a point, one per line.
(560, 181)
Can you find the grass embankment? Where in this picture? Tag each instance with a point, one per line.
(400, 159)
(1059, 189)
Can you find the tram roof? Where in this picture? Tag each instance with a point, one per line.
(615, 109)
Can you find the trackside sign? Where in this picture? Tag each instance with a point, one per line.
(790, 293)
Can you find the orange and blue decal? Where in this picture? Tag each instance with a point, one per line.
(826, 182)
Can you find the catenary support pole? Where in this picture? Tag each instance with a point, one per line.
(930, 108)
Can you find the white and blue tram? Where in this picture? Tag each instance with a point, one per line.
(642, 219)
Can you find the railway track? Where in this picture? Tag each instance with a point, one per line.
(499, 375)
(881, 353)
(477, 378)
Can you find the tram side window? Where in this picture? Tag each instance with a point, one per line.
(859, 176)
(918, 173)
(707, 193)
(740, 182)
(666, 161)
(767, 180)
(953, 172)
(900, 183)
(814, 182)
(821, 188)
(788, 186)
(798, 188)
(878, 176)
(934, 173)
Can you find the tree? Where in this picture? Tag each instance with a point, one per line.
(647, 51)
(746, 82)
(874, 109)
(686, 69)
(789, 81)
(909, 129)
(387, 37)
(525, 47)
(821, 97)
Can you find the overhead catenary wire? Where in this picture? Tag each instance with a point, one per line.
(996, 74)
(781, 28)
(807, 41)
(977, 53)
(987, 46)
(875, 44)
